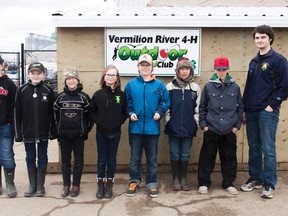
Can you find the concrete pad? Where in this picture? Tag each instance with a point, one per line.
(216, 203)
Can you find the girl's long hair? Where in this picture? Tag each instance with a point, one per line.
(118, 81)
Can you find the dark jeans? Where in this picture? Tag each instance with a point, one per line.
(149, 143)
(30, 149)
(67, 146)
(227, 152)
(107, 151)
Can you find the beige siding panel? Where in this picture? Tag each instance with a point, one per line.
(81, 47)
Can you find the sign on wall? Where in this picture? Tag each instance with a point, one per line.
(166, 46)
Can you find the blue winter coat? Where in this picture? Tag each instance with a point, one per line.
(145, 98)
(183, 115)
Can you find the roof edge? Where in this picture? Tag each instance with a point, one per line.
(164, 21)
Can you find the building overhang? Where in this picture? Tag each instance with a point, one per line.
(174, 17)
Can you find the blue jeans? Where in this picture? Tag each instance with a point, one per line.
(180, 148)
(149, 143)
(30, 149)
(261, 133)
(107, 151)
(6, 147)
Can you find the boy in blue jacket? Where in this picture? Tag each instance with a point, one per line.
(147, 102)
(182, 120)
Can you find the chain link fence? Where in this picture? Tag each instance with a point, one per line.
(12, 65)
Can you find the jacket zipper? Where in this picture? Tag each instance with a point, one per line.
(36, 115)
(144, 119)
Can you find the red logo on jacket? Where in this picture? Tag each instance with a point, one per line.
(3, 91)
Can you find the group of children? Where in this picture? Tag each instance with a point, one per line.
(40, 116)
(37, 116)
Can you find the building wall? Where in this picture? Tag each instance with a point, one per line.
(84, 48)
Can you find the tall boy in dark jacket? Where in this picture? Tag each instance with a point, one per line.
(265, 89)
(71, 109)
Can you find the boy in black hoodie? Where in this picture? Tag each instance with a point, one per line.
(7, 96)
(71, 110)
(34, 125)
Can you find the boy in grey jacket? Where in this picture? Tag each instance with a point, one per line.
(221, 110)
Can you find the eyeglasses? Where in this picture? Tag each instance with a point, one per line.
(111, 75)
(144, 65)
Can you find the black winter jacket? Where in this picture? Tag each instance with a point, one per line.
(72, 113)
(34, 116)
(7, 98)
(108, 110)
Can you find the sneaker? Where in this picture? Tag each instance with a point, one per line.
(75, 191)
(132, 189)
(232, 190)
(203, 190)
(65, 191)
(153, 192)
(267, 192)
(250, 185)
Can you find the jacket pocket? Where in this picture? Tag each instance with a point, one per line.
(230, 101)
(213, 100)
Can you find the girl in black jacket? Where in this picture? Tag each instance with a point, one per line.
(108, 112)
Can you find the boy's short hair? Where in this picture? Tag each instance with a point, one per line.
(264, 29)
(1, 60)
(36, 66)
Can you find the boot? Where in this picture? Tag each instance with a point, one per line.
(101, 188)
(10, 186)
(175, 172)
(108, 189)
(0, 180)
(32, 175)
(183, 172)
(40, 189)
